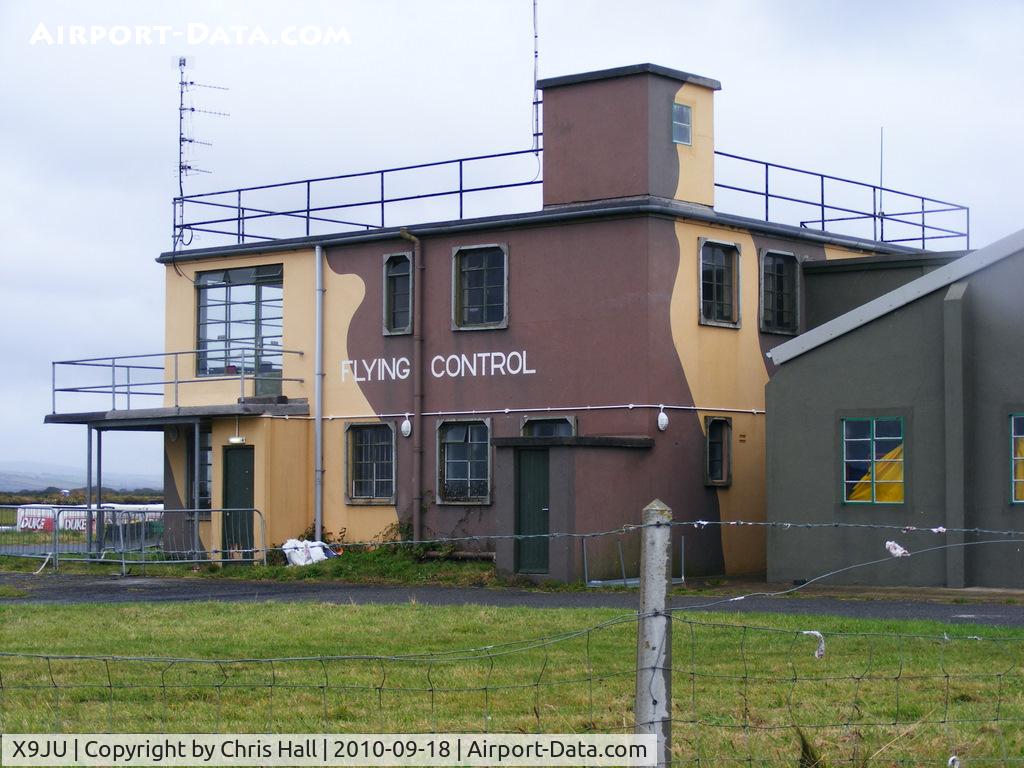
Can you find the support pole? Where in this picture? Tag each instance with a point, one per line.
(318, 397)
(195, 489)
(654, 631)
(88, 491)
(101, 529)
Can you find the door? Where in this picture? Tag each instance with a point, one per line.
(532, 510)
(236, 530)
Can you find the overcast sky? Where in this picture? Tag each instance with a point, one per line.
(88, 132)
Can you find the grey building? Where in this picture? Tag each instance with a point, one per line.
(905, 410)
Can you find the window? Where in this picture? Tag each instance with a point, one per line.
(717, 453)
(240, 324)
(398, 294)
(549, 428)
(779, 296)
(718, 283)
(480, 288)
(873, 460)
(1017, 457)
(203, 500)
(464, 462)
(682, 123)
(371, 462)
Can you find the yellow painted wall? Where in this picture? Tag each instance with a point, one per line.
(697, 162)
(344, 295)
(725, 368)
(283, 457)
(180, 327)
(833, 252)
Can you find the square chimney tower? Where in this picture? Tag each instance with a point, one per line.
(627, 132)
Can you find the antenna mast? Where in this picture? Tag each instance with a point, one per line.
(185, 168)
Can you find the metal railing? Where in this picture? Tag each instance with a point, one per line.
(230, 212)
(840, 205)
(908, 223)
(141, 536)
(122, 377)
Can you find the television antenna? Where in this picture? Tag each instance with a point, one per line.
(186, 140)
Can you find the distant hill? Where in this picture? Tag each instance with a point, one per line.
(35, 476)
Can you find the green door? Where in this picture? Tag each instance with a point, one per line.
(532, 510)
(238, 495)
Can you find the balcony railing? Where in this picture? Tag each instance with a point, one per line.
(256, 370)
(496, 183)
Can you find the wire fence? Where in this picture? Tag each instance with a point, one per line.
(742, 694)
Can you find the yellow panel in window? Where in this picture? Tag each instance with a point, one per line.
(889, 471)
(1018, 470)
(861, 491)
(1018, 447)
(889, 493)
(1018, 491)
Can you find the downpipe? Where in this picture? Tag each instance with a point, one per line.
(417, 382)
(318, 399)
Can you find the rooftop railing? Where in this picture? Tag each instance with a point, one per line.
(122, 378)
(468, 187)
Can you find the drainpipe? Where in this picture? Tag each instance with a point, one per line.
(417, 383)
(318, 400)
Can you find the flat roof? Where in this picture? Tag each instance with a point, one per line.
(630, 69)
(644, 205)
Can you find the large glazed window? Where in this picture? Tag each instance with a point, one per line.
(479, 291)
(779, 296)
(873, 460)
(464, 462)
(719, 295)
(398, 294)
(1017, 457)
(240, 324)
(371, 450)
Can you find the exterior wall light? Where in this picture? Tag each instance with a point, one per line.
(406, 427)
(662, 420)
(237, 440)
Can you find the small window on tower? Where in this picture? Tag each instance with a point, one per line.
(682, 130)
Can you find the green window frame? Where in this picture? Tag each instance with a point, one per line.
(371, 463)
(874, 460)
(682, 124)
(719, 283)
(1017, 458)
(464, 462)
(479, 287)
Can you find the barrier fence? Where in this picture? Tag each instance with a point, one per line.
(145, 535)
(717, 693)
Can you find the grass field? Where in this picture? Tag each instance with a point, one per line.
(738, 691)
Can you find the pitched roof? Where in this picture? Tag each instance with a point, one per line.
(905, 294)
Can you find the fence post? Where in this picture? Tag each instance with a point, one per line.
(653, 706)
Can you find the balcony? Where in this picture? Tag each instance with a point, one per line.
(172, 380)
(510, 182)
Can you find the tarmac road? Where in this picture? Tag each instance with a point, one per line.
(67, 589)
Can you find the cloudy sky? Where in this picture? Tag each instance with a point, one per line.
(88, 132)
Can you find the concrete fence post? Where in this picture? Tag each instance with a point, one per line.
(654, 631)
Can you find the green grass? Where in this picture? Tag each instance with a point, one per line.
(738, 691)
(11, 592)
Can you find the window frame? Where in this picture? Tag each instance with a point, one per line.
(456, 292)
(797, 276)
(571, 420)
(441, 460)
(673, 123)
(204, 354)
(386, 294)
(350, 497)
(736, 323)
(726, 479)
(1013, 460)
(874, 502)
(204, 503)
